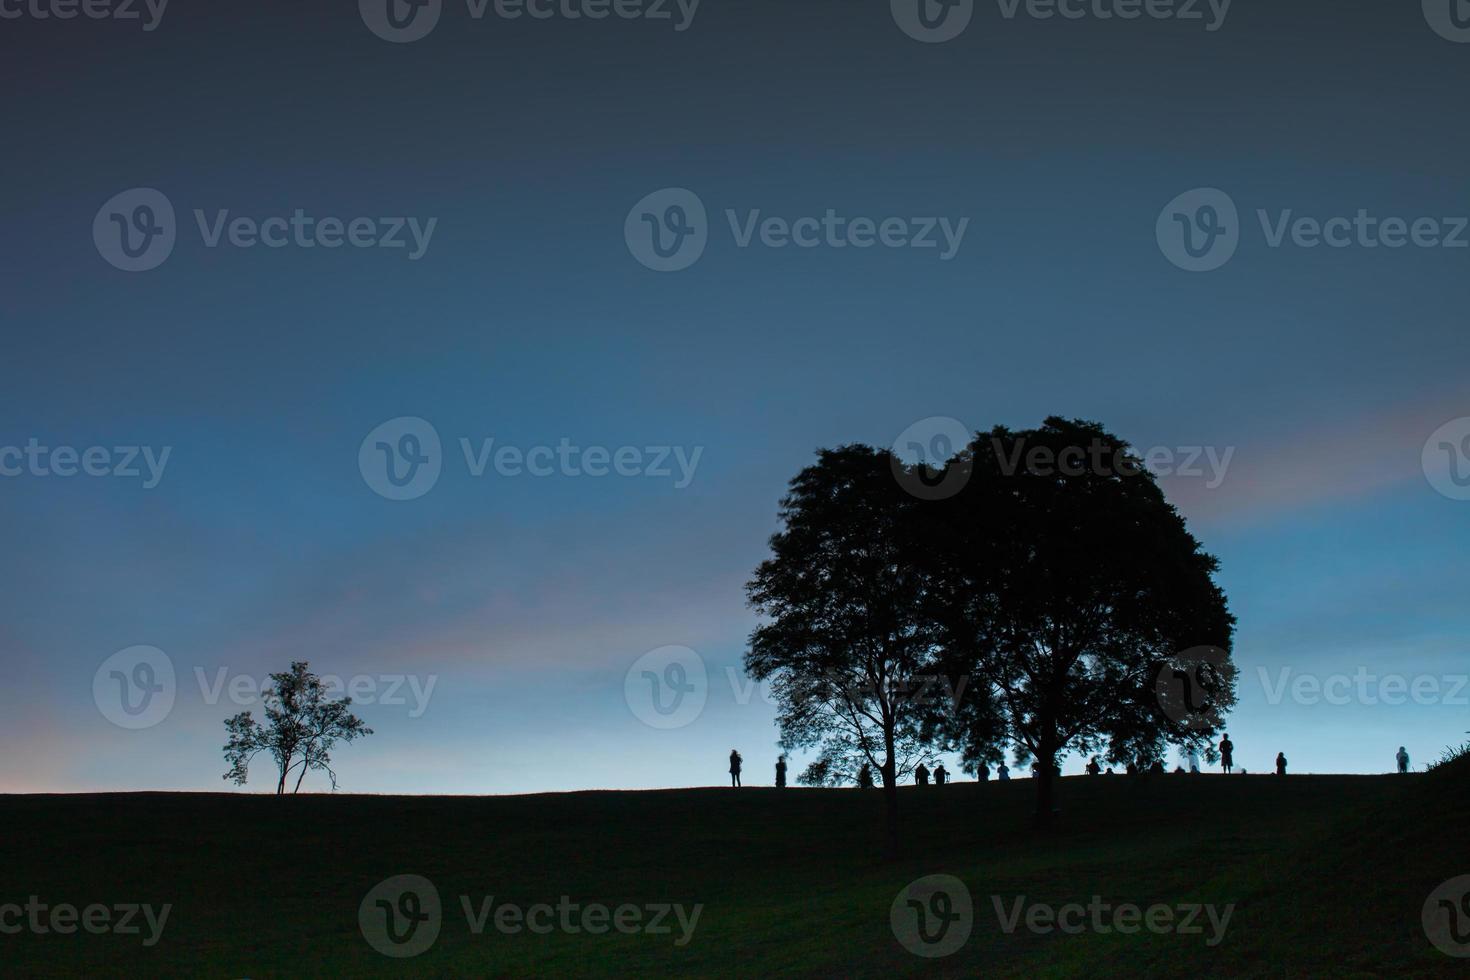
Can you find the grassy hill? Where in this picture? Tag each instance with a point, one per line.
(1327, 874)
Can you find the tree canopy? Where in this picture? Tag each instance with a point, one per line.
(1049, 590)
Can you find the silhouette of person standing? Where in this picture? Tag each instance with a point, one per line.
(1403, 759)
(1093, 768)
(984, 773)
(865, 777)
(940, 775)
(781, 772)
(734, 768)
(1227, 753)
(1003, 771)
(1281, 763)
(921, 775)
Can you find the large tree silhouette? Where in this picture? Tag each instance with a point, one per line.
(845, 640)
(1072, 594)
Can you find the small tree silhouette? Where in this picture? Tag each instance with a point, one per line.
(302, 725)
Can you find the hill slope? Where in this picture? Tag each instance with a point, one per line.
(1326, 874)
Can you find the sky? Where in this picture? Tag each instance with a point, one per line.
(493, 622)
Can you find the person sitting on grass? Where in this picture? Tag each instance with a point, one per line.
(1403, 760)
(734, 768)
(921, 775)
(1227, 752)
(1281, 763)
(940, 775)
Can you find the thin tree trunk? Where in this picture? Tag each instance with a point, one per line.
(890, 793)
(1046, 756)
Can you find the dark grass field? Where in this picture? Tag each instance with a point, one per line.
(1328, 875)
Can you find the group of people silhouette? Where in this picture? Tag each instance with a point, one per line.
(1003, 772)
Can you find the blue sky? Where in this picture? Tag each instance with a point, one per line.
(527, 320)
